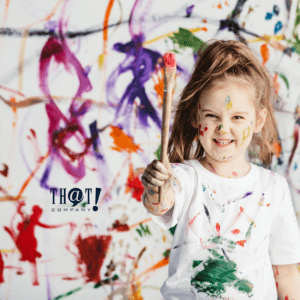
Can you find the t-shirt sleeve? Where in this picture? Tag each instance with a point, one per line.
(285, 232)
(183, 185)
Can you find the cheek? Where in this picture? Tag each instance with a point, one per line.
(202, 129)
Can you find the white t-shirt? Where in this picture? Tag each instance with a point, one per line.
(230, 231)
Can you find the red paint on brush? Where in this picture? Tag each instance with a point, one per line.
(169, 60)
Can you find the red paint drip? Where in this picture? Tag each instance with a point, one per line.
(120, 227)
(92, 252)
(4, 172)
(169, 60)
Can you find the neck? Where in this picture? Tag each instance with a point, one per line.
(228, 169)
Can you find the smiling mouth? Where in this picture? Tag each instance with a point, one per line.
(223, 142)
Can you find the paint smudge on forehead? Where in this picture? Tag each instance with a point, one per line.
(228, 102)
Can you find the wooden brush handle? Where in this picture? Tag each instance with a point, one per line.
(169, 74)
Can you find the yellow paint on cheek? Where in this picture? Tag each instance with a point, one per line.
(246, 134)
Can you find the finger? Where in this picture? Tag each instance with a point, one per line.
(158, 165)
(150, 181)
(156, 178)
(157, 174)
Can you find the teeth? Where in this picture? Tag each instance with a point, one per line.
(224, 142)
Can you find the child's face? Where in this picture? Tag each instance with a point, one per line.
(226, 120)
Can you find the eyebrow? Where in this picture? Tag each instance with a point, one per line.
(236, 112)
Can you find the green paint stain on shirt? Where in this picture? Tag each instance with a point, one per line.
(218, 273)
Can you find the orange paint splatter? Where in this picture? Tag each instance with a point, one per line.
(265, 53)
(241, 209)
(218, 228)
(219, 6)
(268, 204)
(159, 86)
(134, 185)
(276, 84)
(235, 231)
(160, 264)
(105, 26)
(204, 21)
(241, 243)
(226, 3)
(277, 149)
(122, 141)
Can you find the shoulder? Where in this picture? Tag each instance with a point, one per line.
(269, 177)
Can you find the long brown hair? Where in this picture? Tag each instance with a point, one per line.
(222, 60)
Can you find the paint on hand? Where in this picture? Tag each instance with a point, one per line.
(228, 102)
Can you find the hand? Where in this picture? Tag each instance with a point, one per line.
(157, 175)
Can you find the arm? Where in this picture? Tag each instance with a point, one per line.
(156, 175)
(287, 278)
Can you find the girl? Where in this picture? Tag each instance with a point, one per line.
(235, 220)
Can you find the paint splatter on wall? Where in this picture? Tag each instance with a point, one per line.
(81, 105)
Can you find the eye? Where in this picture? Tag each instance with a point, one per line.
(210, 115)
(238, 117)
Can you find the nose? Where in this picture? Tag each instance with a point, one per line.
(222, 128)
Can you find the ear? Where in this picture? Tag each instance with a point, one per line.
(260, 121)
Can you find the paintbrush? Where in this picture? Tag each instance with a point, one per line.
(169, 75)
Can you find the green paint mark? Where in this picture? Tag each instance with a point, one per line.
(172, 229)
(106, 281)
(285, 80)
(248, 233)
(186, 39)
(143, 230)
(243, 286)
(67, 294)
(218, 273)
(166, 254)
(157, 153)
(196, 263)
(221, 126)
(83, 204)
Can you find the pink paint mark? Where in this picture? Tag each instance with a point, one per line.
(192, 221)
(234, 174)
(1, 268)
(235, 231)
(169, 59)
